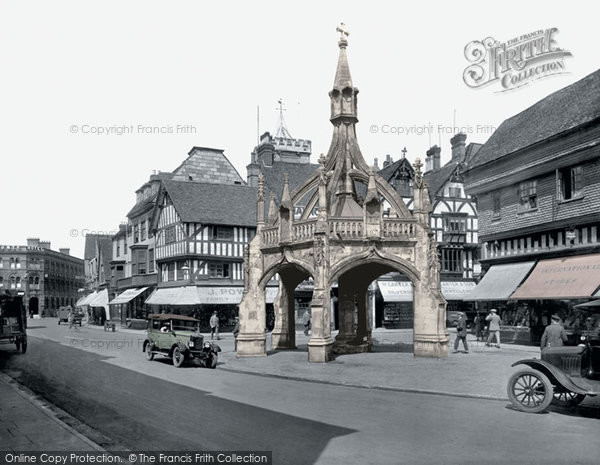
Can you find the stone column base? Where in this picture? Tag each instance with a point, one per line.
(252, 345)
(431, 345)
(282, 341)
(352, 345)
(320, 350)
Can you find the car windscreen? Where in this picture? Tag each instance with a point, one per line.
(183, 325)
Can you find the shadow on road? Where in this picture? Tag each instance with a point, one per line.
(138, 411)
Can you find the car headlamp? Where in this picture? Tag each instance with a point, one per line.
(191, 344)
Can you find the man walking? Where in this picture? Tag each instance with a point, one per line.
(554, 334)
(494, 327)
(306, 322)
(461, 333)
(214, 325)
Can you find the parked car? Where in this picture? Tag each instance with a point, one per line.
(564, 376)
(63, 315)
(13, 321)
(178, 337)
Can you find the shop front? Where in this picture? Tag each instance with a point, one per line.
(527, 294)
(129, 308)
(394, 305)
(201, 301)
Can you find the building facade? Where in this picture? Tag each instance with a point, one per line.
(538, 190)
(46, 279)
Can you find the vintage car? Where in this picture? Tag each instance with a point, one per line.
(178, 337)
(63, 315)
(13, 321)
(564, 376)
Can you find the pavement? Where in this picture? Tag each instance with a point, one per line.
(27, 422)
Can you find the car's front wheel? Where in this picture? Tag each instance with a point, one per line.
(149, 353)
(530, 391)
(567, 399)
(178, 357)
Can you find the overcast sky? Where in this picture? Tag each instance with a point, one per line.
(72, 67)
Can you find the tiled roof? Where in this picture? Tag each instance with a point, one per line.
(437, 178)
(565, 109)
(225, 204)
(143, 206)
(274, 175)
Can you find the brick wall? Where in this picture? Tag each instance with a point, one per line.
(550, 208)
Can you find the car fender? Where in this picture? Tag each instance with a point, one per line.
(555, 375)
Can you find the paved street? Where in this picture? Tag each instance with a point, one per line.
(103, 380)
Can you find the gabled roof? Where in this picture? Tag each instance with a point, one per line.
(92, 241)
(225, 204)
(142, 206)
(436, 179)
(561, 111)
(402, 163)
(274, 175)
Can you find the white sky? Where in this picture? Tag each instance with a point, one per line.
(209, 65)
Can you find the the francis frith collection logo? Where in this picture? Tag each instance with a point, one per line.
(516, 62)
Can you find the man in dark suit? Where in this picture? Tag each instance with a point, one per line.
(554, 334)
(461, 333)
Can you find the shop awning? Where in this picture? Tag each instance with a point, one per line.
(197, 295)
(500, 281)
(184, 295)
(127, 296)
(402, 291)
(457, 290)
(562, 278)
(100, 299)
(591, 304)
(396, 291)
(84, 300)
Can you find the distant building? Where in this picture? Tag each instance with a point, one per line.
(46, 279)
(134, 269)
(453, 222)
(537, 182)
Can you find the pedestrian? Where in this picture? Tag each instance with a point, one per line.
(214, 326)
(236, 331)
(461, 333)
(479, 326)
(71, 318)
(494, 327)
(554, 334)
(306, 322)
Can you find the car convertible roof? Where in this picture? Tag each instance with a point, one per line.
(170, 316)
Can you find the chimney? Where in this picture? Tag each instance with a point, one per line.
(65, 251)
(388, 161)
(432, 161)
(33, 242)
(376, 164)
(45, 244)
(458, 147)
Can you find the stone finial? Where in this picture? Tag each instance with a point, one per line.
(418, 181)
(260, 193)
(343, 32)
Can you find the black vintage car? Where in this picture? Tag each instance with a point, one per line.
(13, 321)
(564, 375)
(178, 337)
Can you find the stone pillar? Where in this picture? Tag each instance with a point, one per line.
(345, 315)
(363, 330)
(320, 343)
(284, 332)
(252, 339)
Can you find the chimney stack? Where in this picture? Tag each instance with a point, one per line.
(388, 161)
(376, 164)
(45, 244)
(432, 160)
(65, 251)
(458, 147)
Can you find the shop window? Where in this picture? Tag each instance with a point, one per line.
(223, 233)
(151, 261)
(570, 182)
(496, 205)
(527, 196)
(452, 260)
(218, 270)
(170, 235)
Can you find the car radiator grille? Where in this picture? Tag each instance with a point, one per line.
(197, 340)
(571, 364)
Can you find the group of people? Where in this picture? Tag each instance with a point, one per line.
(494, 322)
